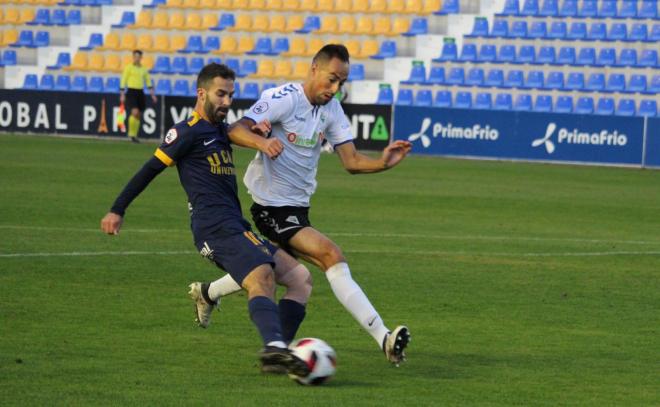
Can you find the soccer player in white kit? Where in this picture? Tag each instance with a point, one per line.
(301, 116)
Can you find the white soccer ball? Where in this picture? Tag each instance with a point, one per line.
(319, 356)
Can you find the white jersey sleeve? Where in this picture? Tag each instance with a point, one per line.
(274, 105)
(339, 128)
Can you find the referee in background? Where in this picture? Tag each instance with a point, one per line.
(133, 81)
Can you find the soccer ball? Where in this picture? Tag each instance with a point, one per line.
(319, 356)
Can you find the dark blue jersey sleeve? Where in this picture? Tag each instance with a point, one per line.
(137, 184)
(177, 143)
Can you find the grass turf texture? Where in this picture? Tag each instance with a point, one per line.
(487, 262)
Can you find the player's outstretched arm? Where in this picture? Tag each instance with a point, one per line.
(246, 133)
(357, 163)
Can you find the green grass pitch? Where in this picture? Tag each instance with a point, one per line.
(522, 284)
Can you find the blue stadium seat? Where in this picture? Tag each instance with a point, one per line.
(418, 26)
(538, 30)
(577, 31)
(263, 46)
(111, 85)
(463, 100)
(436, 76)
(42, 39)
(163, 87)
(211, 43)
(456, 76)
(495, 78)
(424, 97)
(597, 32)
(616, 82)
(79, 84)
(356, 72)
(534, 80)
(569, 8)
(503, 101)
(127, 18)
(162, 65)
(523, 103)
(58, 17)
(194, 44)
(9, 57)
(636, 84)
(557, 30)
(500, 29)
(195, 64)
(47, 82)
(628, 9)
(638, 33)
(606, 57)
(312, 23)
(648, 108)
(213, 60)
(530, 8)
(518, 29)
(181, 88)
(627, 57)
(507, 54)
(449, 7)
(564, 104)
(483, 101)
(248, 67)
(449, 52)
(192, 90)
(550, 8)
(514, 79)
(654, 36)
(487, 53)
(649, 58)
(595, 82)
(63, 83)
(589, 8)
(546, 55)
(385, 96)
(605, 106)
(480, 28)
(387, 50)
(95, 40)
(617, 32)
(475, 77)
(280, 45)
(154, 3)
(41, 17)
(626, 107)
(511, 8)
(25, 39)
(526, 55)
(442, 99)
(607, 9)
(404, 97)
(575, 81)
(468, 53)
(543, 103)
(417, 74)
(226, 20)
(238, 94)
(586, 56)
(95, 84)
(584, 105)
(566, 56)
(179, 65)
(648, 9)
(654, 86)
(73, 17)
(234, 64)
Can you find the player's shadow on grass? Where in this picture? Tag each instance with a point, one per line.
(446, 365)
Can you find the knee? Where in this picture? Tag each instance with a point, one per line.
(332, 255)
(298, 282)
(260, 282)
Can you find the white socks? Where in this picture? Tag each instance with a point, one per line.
(355, 301)
(224, 286)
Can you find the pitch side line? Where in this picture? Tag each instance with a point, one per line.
(377, 235)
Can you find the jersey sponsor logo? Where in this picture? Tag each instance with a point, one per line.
(207, 142)
(284, 92)
(171, 136)
(221, 164)
(293, 219)
(261, 107)
(299, 118)
(305, 142)
(291, 137)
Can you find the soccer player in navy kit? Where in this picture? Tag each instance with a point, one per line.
(200, 148)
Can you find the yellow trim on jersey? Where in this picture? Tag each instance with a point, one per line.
(160, 154)
(252, 238)
(195, 118)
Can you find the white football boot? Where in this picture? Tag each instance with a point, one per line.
(203, 308)
(395, 343)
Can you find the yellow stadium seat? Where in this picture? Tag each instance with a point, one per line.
(277, 23)
(382, 26)
(313, 46)
(290, 5)
(11, 16)
(160, 20)
(294, 22)
(413, 7)
(396, 6)
(177, 42)
(367, 49)
(353, 47)
(223, 4)
(9, 37)
(78, 63)
(126, 60)
(148, 62)
(228, 45)
(208, 4)
(329, 25)
(243, 23)
(282, 69)
(26, 14)
(400, 26)
(300, 70)
(245, 44)
(145, 42)
(274, 5)
(112, 63)
(365, 26)
(143, 20)
(2, 16)
(360, 6)
(311, 5)
(431, 5)
(265, 69)
(209, 20)
(239, 4)
(256, 4)
(260, 22)
(377, 6)
(297, 48)
(176, 21)
(193, 22)
(190, 4)
(343, 6)
(95, 62)
(111, 42)
(128, 42)
(346, 25)
(161, 43)
(174, 4)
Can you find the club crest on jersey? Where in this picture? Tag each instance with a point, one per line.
(291, 137)
(260, 107)
(171, 136)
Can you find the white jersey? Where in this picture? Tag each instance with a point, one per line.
(290, 180)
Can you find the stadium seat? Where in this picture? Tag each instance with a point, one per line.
(42, 39)
(387, 50)
(145, 42)
(211, 43)
(418, 26)
(364, 25)
(111, 85)
(263, 46)
(245, 44)
(280, 45)
(654, 86)
(475, 77)
(543, 103)
(566, 56)
(577, 31)
(456, 76)
(534, 80)
(79, 84)
(589, 9)
(557, 30)
(507, 54)
(636, 84)
(595, 82)
(500, 29)
(511, 8)
(627, 9)
(128, 42)
(523, 103)
(555, 80)
(449, 52)
(195, 65)
(95, 62)
(297, 48)
(163, 87)
(626, 107)
(356, 72)
(586, 56)
(564, 104)
(449, 7)
(233, 63)
(605, 106)
(487, 53)
(648, 108)
(442, 99)
(111, 42)
(73, 17)
(575, 81)
(162, 65)
(514, 79)
(417, 74)
(649, 58)
(95, 40)
(312, 23)
(283, 69)
(424, 97)
(127, 19)
(404, 97)
(480, 28)
(538, 30)
(42, 17)
(530, 8)
(180, 88)
(638, 33)
(9, 57)
(495, 78)
(526, 55)
(654, 36)
(368, 48)
(483, 101)
(250, 67)
(463, 100)
(597, 32)
(385, 96)
(213, 60)
(194, 44)
(377, 6)
(468, 53)
(648, 9)
(63, 83)
(79, 62)
(503, 101)
(436, 76)
(606, 57)
(616, 82)
(265, 69)
(226, 21)
(25, 39)
(47, 82)
(617, 32)
(546, 55)
(550, 8)
(300, 70)
(95, 84)
(277, 24)
(584, 105)
(608, 9)
(627, 57)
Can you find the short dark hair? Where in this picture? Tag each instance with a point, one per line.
(330, 51)
(212, 71)
(137, 51)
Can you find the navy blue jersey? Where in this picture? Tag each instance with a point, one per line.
(203, 156)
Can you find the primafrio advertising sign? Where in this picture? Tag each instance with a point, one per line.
(521, 135)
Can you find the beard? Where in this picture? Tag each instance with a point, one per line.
(215, 115)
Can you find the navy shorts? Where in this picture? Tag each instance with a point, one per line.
(238, 254)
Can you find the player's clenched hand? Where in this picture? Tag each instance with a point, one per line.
(272, 147)
(111, 223)
(395, 152)
(262, 128)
